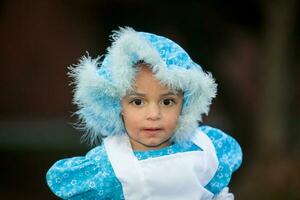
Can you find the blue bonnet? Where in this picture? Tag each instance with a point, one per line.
(101, 83)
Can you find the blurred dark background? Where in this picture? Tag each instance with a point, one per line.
(251, 47)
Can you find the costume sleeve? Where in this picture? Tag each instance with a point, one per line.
(88, 176)
(229, 155)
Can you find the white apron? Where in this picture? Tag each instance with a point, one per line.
(177, 176)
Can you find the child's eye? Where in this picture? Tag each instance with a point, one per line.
(168, 102)
(137, 102)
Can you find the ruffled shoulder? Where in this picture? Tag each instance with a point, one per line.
(82, 176)
(229, 155)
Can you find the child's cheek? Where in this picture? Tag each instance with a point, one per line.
(171, 121)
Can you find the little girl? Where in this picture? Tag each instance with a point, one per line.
(141, 104)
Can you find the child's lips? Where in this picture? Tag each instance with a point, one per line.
(152, 131)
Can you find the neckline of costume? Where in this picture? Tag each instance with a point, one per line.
(168, 150)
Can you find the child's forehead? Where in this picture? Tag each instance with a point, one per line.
(145, 78)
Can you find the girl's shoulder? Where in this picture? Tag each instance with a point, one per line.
(82, 175)
(229, 155)
(227, 148)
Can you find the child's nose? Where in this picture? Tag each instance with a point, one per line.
(153, 112)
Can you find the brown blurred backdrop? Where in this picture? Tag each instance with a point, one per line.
(251, 47)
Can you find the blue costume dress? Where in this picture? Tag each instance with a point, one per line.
(92, 176)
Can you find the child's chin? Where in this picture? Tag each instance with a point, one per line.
(155, 144)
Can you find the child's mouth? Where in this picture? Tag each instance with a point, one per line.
(152, 131)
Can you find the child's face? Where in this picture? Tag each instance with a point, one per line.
(150, 112)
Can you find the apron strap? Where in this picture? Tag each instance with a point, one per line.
(123, 161)
(204, 142)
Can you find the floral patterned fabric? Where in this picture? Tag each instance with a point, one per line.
(92, 176)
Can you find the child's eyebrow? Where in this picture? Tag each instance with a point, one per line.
(133, 93)
(170, 94)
